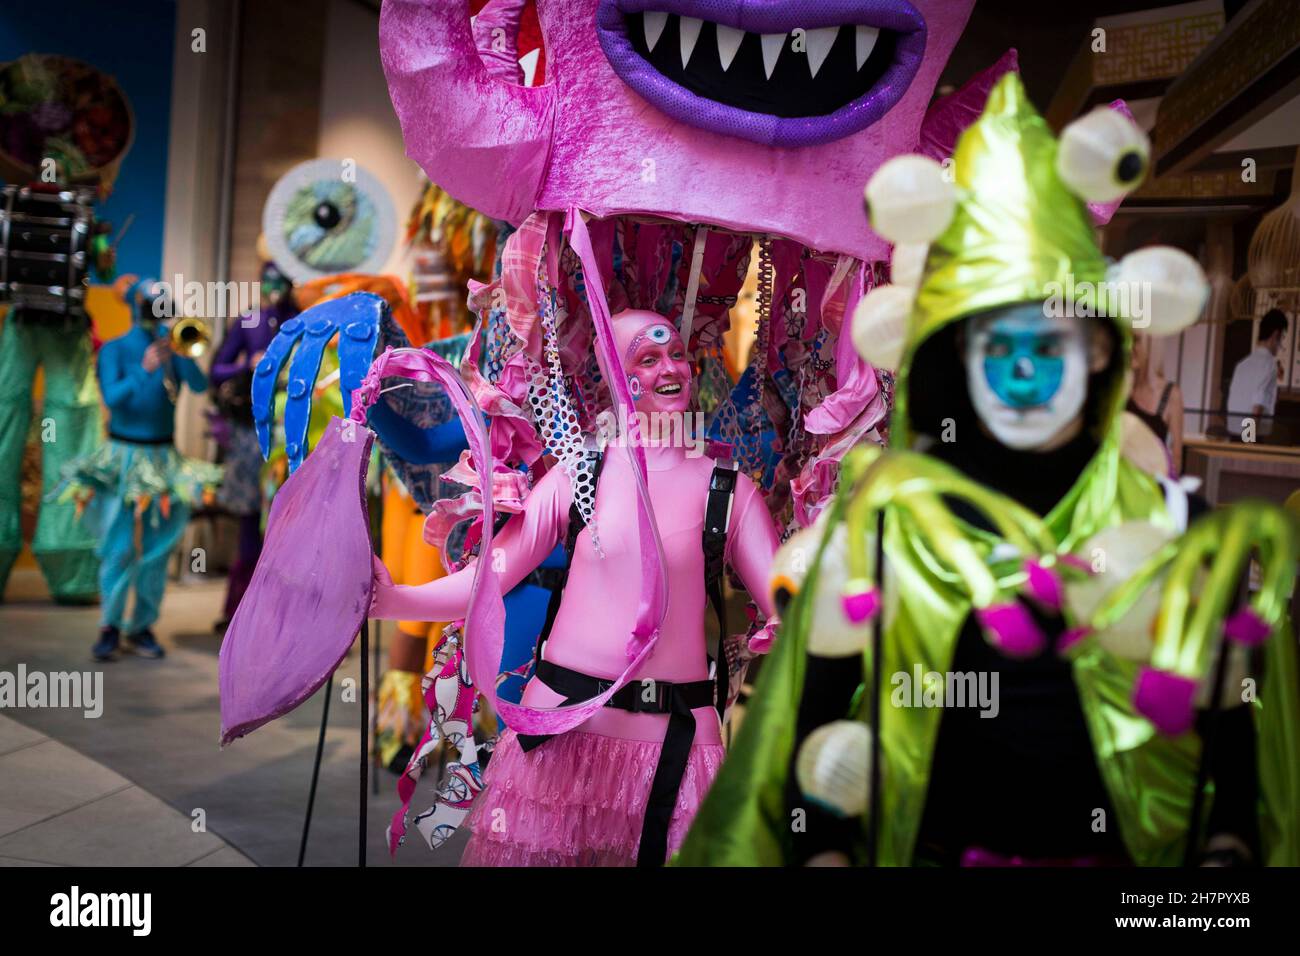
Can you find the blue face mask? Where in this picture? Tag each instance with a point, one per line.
(1024, 362)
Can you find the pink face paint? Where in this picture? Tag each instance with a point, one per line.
(655, 360)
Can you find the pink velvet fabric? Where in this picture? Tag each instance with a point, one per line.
(584, 139)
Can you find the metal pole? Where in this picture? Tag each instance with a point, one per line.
(315, 769)
(365, 741)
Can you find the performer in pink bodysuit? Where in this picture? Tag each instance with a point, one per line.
(581, 798)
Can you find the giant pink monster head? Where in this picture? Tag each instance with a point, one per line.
(761, 116)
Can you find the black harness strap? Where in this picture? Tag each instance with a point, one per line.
(717, 516)
(648, 696)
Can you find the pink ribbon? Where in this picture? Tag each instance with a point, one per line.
(485, 616)
(654, 569)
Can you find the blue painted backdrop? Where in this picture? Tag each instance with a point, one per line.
(131, 40)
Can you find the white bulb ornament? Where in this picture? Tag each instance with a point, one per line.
(880, 325)
(1165, 288)
(1103, 156)
(1115, 554)
(833, 767)
(907, 263)
(831, 633)
(909, 199)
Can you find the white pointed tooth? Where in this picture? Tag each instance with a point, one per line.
(773, 44)
(819, 43)
(728, 43)
(528, 63)
(690, 33)
(865, 42)
(654, 27)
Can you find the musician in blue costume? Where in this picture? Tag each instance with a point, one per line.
(136, 492)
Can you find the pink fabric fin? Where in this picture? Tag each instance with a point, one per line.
(310, 591)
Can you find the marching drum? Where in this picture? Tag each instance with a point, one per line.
(44, 238)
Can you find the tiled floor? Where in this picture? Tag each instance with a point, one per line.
(58, 807)
(125, 788)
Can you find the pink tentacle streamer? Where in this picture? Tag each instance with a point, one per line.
(485, 616)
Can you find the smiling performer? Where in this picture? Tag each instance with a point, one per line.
(622, 788)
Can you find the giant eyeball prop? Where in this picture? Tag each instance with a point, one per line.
(833, 767)
(1115, 554)
(880, 325)
(1166, 289)
(910, 200)
(1103, 156)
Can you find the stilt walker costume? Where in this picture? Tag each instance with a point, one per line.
(47, 329)
(66, 116)
(1056, 563)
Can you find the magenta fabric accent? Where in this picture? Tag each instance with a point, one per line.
(509, 489)
(1070, 638)
(1102, 211)
(585, 139)
(856, 384)
(1012, 629)
(1076, 562)
(1166, 699)
(310, 592)
(1044, 585)
(949, 116)
(496, 34)
(861, 607)
(1247, 627)
(978, 856)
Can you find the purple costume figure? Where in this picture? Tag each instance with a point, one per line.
(232, 424)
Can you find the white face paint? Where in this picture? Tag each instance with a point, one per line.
(1027, 375)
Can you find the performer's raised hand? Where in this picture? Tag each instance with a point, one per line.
(155, 355)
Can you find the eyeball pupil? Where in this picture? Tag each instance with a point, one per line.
(1129, 167)
(327, 215)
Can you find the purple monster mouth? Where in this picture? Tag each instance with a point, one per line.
(770, 71)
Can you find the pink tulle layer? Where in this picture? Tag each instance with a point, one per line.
(577, 800)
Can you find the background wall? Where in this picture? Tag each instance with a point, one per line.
(356, 116)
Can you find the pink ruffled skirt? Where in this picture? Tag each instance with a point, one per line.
(577, 800)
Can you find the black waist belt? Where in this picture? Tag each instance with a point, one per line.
(640, 697)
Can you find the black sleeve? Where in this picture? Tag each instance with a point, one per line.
(828, 689)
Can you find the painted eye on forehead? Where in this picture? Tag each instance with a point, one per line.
(654, 335)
